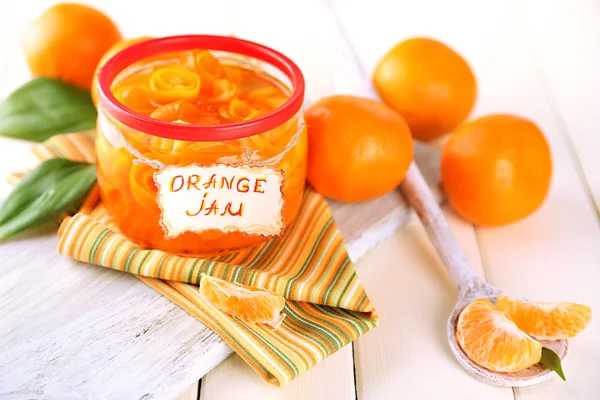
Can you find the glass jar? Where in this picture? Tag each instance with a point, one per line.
(134, 152)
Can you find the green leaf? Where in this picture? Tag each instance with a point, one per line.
(551, 360)
(46, 192)
(46, 107)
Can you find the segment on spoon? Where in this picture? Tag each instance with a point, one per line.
(470, 286)
(493, 341)
(546, 321)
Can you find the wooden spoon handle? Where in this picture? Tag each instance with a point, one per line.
(419, 196)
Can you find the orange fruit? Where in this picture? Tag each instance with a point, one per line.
(244, 302)
(67, 41)
(117, 47)
(358, 148)
(546, 321)
(429, 84)
(491, 340)
(496, 169)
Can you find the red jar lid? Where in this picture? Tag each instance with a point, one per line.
(200, 133)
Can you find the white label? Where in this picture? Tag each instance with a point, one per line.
(222, 197)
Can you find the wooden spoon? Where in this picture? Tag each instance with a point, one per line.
(470, 286)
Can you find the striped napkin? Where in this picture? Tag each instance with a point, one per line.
(326, 306)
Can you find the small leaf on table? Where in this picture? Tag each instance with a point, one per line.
(551, 360)
(45, 192)
(46, 107)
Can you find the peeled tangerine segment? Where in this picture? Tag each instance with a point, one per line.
(244, 302)
(546, 321)
(174, 83)
(491, 340)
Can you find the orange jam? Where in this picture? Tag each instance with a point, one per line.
(173, 102)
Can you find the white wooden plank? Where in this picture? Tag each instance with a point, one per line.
(566, 43)
(191, 393)
(382, 24)
(285, 28)
(553, 255)
(397, 357)
(64, 335)
(15, 156)
(516, 257)
(407, 355)
(130, 339)
(234, 379)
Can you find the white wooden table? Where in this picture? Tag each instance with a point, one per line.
(537, 58)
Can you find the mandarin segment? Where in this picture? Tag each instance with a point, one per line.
(546, 321)
(491, 340)
(248, 303)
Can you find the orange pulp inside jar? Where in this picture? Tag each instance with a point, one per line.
(196, 87)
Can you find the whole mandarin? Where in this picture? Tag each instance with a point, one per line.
(117, 47)
(429, 84)
(358, 148)
(67, 41)
(496, 169)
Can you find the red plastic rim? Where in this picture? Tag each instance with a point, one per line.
(200, 133)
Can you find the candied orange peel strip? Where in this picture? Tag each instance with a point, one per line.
(181, 110)
(247, 303)
(174, 83)
(238, 110)
(142, 186)
(135, 97)
(208, 66)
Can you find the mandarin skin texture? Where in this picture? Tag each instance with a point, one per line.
(429, 84)
(67, 41)
(358, 148)
(496, 169)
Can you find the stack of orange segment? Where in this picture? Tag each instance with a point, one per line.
(506, 338)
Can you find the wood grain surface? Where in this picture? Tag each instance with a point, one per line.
(531, 57)
(79, 322)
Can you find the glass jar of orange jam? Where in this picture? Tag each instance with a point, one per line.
(201, 145)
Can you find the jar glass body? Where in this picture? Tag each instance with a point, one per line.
(129, 192)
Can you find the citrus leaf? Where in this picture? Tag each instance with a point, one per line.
(551, 360)
(46, 107)
(45, 192)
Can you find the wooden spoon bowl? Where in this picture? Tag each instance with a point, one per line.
(470, 286)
